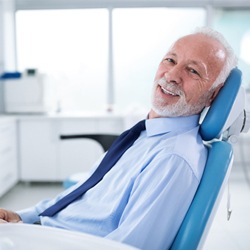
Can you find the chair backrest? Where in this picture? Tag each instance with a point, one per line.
(198, 219)
(218, 113)
(194, 229)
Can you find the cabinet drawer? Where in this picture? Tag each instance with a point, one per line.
(5, 128)
(8, 155)
(38, 141)
(5, 171)
(7, 180)
(7, 140)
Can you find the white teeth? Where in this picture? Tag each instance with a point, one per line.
(168, 92)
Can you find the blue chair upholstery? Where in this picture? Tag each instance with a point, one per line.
(218, 113)
(193, 230)
(195, 226)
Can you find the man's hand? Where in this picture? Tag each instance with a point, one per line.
(9, 216)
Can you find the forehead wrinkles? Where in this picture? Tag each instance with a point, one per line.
(199, 44)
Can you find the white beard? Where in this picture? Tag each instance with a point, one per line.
(180, 108)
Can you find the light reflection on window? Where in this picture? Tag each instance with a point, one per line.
(71, 46)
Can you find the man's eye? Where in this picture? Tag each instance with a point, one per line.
(170, 60)
(193, 71)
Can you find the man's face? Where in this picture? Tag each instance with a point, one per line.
(185, 75)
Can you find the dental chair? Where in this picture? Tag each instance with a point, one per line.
(220, 127)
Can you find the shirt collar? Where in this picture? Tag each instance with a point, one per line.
(171, 124)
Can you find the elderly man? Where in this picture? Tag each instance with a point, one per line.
(144, 197)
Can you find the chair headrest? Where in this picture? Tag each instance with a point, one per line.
(220, 115)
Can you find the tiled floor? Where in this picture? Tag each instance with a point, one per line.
(230, 235)
(24, 195)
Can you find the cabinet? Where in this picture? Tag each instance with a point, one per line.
(38, 144)
(44, 157)
(8, 154)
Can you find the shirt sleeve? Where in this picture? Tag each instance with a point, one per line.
(157, 205)
(31, 215)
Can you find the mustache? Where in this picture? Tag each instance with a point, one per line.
(170, 86)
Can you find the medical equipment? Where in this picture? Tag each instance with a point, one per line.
(32, 92)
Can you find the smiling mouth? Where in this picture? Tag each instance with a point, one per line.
(168, 92)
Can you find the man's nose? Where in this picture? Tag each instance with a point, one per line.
(173, 75)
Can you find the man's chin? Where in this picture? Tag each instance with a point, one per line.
(174, 111)
(156, 112)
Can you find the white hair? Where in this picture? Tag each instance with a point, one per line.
(231, 58)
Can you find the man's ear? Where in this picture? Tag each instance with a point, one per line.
(214, 94)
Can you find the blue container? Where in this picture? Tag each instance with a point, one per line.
(10, 75)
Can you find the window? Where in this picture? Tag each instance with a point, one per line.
(72, 46)
(141, 39)
(234, 24)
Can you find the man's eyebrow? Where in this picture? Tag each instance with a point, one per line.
(171, 54)
(195, 62)
(198, 63)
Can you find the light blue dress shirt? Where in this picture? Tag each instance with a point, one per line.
(143, 199)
